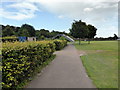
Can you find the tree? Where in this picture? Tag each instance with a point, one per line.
(115, 37)
(16, 30)
(79, 30)
(53, 33)
(91, 32)
(27, 30)
(42, 37)
(44, 33)
(8, 31)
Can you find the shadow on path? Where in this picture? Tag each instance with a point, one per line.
(66, 71)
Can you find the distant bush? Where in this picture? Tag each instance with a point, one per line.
(9, 38)
(60, 44)
(21, 59)
(62, 38)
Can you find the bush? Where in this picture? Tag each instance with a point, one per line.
(9, 38)
(21, 59)
(60, 44)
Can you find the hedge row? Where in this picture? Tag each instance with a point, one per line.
(20, 60)
(9, 38)
(60, 44)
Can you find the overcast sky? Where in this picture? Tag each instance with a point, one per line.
(59, 14)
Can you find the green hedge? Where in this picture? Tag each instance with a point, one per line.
(9, 38)
(20, 62)
(60, 44)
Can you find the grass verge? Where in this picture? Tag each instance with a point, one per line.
(101, 62)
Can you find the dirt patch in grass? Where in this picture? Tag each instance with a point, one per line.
(85, 52)
(81, 53)
(99, 50)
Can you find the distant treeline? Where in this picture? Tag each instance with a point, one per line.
(28, 31)
(115, 37)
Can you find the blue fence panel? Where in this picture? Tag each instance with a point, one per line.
(22, 39)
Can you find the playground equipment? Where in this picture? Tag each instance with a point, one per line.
(65, 36)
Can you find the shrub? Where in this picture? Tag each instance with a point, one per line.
(9, 38)
(60, 44)
(21, 59)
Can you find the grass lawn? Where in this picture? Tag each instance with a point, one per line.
(101, 62)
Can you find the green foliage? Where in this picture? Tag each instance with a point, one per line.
(20, 62)
(79, 29)
(8, 31)
(92, 31)
(47, 34)
(42, 38)
(62, 38)
(60, 44)
(9, 38)
(27, 30)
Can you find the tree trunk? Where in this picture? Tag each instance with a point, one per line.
(79, 41)
(88, 41)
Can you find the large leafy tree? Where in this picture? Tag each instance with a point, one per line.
(79, 30)
(115, 37)
(54, 33)
(27, 30)
(42, 33)
(8, 31)
(91, 32)
(16, 30)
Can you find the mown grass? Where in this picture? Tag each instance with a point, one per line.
(101, 62)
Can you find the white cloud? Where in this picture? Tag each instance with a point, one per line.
(96, 12)
(60, 16)
(24, 10)
(79, 10)
(93, 1)
(23, 5)
(15, 15)
(88, 9)
(75, 9)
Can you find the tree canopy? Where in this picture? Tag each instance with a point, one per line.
(91, 31)
(27, 30)
(8, 31)
(115, 37)
(79, 29)
(82, 30)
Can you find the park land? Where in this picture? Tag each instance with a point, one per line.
(100, 59)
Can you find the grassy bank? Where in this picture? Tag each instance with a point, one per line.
(101, 62)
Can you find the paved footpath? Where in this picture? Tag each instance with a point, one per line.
(65, 71)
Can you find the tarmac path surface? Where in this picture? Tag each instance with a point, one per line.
(65, 71)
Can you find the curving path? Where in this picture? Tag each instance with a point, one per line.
(66, 71)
